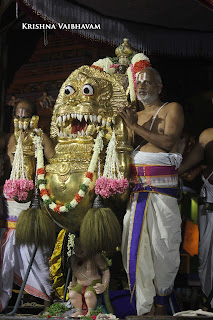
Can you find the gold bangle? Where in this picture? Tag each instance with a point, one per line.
(104, 285)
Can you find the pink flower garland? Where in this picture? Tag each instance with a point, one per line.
(109, 187)
(114, 65)
(18, 188)
(133, 76)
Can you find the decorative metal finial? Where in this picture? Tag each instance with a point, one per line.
(98, 202)
(35, 202)
(124, 51)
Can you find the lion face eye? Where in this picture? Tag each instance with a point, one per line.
(87, 90)
(69, 90)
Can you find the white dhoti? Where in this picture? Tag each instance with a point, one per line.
(14, 261)
(205, 251)
(150, 244)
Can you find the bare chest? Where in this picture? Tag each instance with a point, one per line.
(152, 121)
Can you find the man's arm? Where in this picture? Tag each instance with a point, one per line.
(11, 148)
(174, 122)
(197, 154)
(192, 159)
(49, 150)
(47, 143)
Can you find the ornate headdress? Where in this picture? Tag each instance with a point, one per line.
(124, 53)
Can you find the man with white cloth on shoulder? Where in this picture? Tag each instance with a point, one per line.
(152, 224)
(203, 152)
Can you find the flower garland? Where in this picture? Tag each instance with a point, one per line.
(132, 82)
(111, 182)
(70, 244)
(104, 64)
(83, 188)
(140, 65)
(18, 185)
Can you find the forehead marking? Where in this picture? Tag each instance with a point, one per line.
(142, 76)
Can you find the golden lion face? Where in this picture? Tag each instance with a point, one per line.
(87, 100)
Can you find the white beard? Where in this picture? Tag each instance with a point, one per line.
(144, 99)
(147, 98)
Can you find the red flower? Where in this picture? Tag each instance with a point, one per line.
(56, 209)
(43, 192)
(93, 317)
(48, 316)
(40, 171)
(78, 198)
(140, 65)
(96, 67)
(89, 175)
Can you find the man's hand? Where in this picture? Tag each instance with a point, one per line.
(129, 115)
